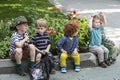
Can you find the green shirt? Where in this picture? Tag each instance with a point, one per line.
(96, 36)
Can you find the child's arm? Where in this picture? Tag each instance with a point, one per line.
(102, 16)
(38, 50)
(22, 42)
(105, 39)
(76, 46)
(63, 51)
(48, 48)
(90, 24)
(60, 44)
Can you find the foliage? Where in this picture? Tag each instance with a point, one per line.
(4, 27)
(55, 29)
(83, 37)
(4, 47)
(14, 8)
(56, 22)
(56, 25)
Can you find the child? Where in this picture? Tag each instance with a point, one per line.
(95, 44)
(41, 41)
(19, 46)
(106, 41)
(68, 46)
(110, 45)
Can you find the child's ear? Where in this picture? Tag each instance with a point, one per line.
(17, 27)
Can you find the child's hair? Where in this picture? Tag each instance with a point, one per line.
(41, 23)
(70, 28)
(96, 17)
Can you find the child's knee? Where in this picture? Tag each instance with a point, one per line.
(18, 51)
(38, 57)
(31, 46)
(63, 55)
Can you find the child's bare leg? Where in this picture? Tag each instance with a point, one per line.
(18, 55)
(32, 52)
(38, 57)
(32, 55)
(18, 58)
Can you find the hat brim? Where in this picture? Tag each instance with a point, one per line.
(13, 27)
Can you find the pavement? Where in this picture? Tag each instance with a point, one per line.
(92, 73)
(87, 7)
(111, 8)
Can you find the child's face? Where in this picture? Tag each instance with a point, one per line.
(22, 27)
(96, 23)
(41, 30)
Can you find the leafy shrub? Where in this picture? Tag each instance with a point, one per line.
(55, 31)
(55, 23)
(4, 47)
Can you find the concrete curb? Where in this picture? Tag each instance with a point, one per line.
(87, 60)
(7, 66)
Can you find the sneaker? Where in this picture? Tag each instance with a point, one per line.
(103, 65)
(107, 62)
(20, 70)
(77, 68)
(63, 69)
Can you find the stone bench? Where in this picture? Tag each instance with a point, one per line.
(87, 60)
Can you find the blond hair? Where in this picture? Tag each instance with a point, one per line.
(41, 23)
(96, 17)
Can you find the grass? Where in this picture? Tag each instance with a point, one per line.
(14, 8)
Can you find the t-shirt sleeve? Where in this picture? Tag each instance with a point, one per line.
(14, 39)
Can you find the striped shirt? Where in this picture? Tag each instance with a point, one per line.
(105, 39)
(41, 41)
(16, 37)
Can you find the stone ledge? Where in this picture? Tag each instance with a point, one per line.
(87, 60)
(7, 66)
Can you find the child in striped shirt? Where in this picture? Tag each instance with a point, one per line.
(41, 41)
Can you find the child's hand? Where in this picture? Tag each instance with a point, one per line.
(90, 23)
(26, 38)
(46, 51)
(43, 52)
(75, 52)
(63, 51)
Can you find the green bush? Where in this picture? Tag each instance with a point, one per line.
(4, 47)
(55, 35)
(42, 9)
(58, 25)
